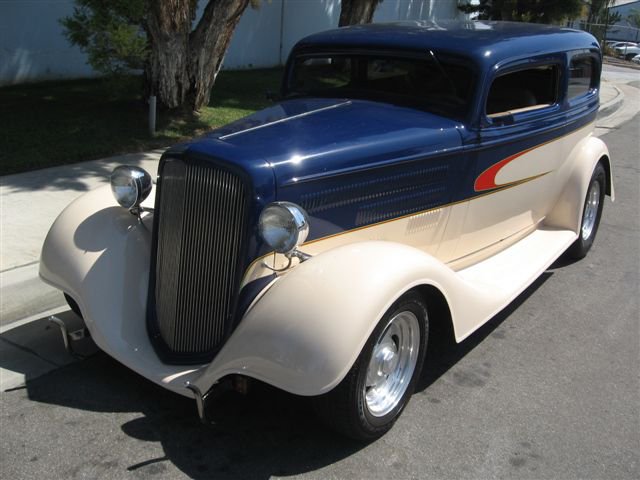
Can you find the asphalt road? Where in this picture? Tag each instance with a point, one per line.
(547, 389)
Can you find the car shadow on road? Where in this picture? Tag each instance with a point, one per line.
(442, 350)
(259, 435)
(262, 434)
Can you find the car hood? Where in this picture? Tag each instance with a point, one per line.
(306, 138)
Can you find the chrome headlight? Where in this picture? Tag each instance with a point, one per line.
(283, 226)
(130, 185)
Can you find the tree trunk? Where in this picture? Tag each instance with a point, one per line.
(169, 26)
(183, 64)
(507, 10)
(357, 12)
(207, 45)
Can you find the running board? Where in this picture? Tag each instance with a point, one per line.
(496, 281)
(516, 267)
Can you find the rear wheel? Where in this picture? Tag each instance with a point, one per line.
(366, 404)
(591, 214)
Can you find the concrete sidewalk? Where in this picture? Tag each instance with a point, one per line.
(30, 202)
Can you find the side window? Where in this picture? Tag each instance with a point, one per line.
(322, 73)
(581, 70)
(523, 90)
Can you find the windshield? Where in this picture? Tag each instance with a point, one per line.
(427, 83)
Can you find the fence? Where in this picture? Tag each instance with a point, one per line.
(605, 33)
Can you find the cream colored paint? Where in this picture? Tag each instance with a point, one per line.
(98, 252)
(497, 216)
(306, 329)
(423, 231)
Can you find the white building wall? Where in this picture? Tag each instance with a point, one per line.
(256, 40)
(32, 46)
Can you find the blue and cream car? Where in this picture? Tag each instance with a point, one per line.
(408, 174)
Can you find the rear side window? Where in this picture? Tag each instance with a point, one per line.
(581, 71)
(523, 90)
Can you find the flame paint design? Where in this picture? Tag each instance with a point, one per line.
(487, 179)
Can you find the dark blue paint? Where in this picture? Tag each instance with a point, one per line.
(409, 160)
(337, 136)
(485, 43)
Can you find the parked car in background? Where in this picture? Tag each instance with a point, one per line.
(627, 52)
(410, 174)
(622, 44)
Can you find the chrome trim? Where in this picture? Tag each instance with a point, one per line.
(591, 210)
(201, 223)
(299, 220)
(303, 257)
(200, 402)
(283, 269)
(282, 120)
(142, 182)
(68, 337)
(392, 364)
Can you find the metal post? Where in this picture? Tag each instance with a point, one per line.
(606, 25)
(152, 115)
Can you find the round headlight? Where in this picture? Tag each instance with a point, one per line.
(130, 185)
(283, 226)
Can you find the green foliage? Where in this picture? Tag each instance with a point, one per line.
(600, 18)
(111, 33)
(61, 122)
(535, 11)
(600, 12)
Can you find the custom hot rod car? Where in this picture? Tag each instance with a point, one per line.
(403, 166)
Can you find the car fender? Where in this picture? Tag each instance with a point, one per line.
(582, 160)
(306, 331)
(99, 254)
(301, 334)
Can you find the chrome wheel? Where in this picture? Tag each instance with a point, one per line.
(591, 209)
(392, 364)
(371, 397)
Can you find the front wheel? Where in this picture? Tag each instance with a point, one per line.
(366, 404)
(591, 214)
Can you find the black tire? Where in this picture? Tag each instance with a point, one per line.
(73, 305)
(345, 408)
(582, 245)
(629, 56)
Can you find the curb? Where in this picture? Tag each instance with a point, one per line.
(31, 347)
(611, 106)
(618, 62)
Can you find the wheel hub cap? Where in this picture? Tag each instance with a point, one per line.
(392, 364)
(591, 210)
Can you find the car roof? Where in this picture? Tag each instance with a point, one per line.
(487, 42)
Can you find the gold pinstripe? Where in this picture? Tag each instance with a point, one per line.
(403, 217)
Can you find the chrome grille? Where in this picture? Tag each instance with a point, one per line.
(202, 214)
